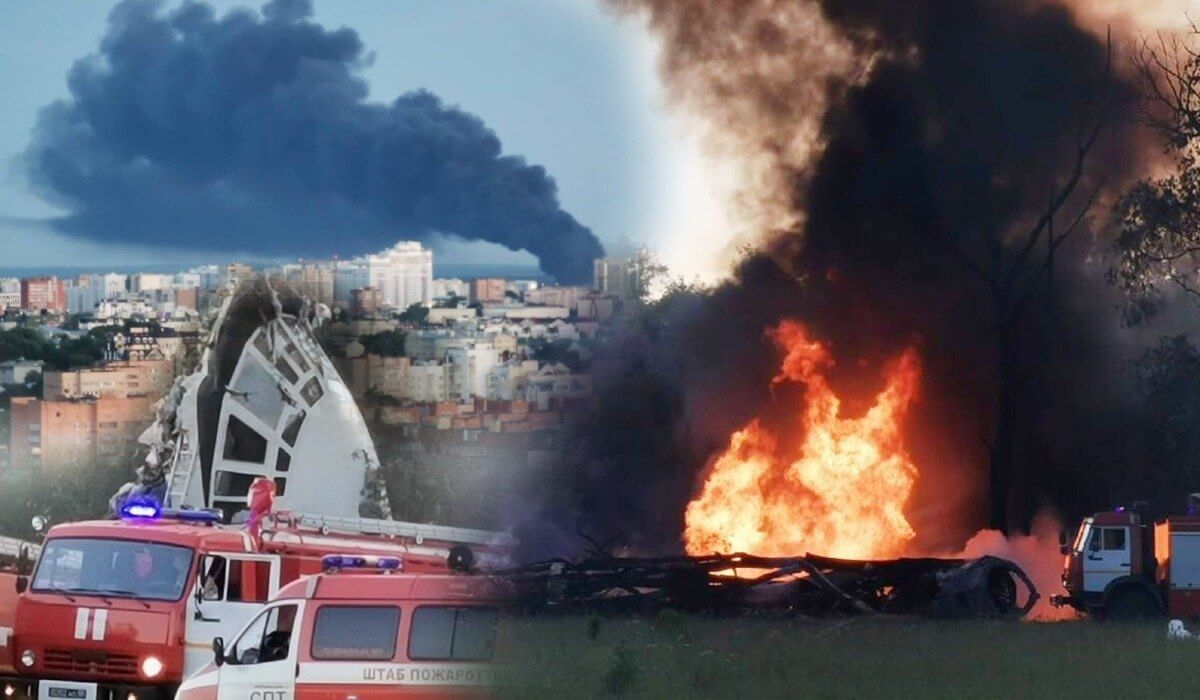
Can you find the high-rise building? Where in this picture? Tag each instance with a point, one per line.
(43, 293)
(314, 281)
(349, 275)
(403, 274)
(620, 277)
(487, 290)
(10, 293)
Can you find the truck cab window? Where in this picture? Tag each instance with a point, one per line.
(1114, 538)
(235, 580)
(268, 638)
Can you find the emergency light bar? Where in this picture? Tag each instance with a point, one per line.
(334, 562)
(149, 510)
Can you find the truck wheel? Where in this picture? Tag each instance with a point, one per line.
(1131, 603)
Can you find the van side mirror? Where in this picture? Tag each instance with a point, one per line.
(218, 647)
(21, 583)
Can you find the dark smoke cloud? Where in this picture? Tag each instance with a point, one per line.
(957, 115)
(252, 133)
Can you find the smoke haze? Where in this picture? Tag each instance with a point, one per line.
(251, 132)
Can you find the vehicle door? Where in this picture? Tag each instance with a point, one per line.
(230, 588)
(260, 663)
(1107, 557)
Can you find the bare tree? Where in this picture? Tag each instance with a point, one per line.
(1017, 266)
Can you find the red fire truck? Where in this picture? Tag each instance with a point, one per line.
(364, 629)
(128, 608)
(15, 557)
(1122, 566)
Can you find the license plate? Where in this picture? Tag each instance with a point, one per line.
(55, 690)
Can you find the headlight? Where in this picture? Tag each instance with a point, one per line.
(28, 658)
(151, 666)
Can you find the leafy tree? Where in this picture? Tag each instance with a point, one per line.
(416, 313)
(1159, 246)
(385, 343)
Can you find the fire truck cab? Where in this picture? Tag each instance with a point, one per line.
(363, 629)
(1119, 566)
(128, 608)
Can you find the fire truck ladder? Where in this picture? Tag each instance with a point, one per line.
(183, 463)
(394, 528)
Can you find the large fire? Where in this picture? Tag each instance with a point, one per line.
(839, 491)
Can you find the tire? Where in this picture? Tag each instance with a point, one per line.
(1131, 603)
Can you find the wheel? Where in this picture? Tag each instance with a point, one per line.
(1131, 603)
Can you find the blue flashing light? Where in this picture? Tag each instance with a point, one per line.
(201, 515)
(332, 562)
(140, 509)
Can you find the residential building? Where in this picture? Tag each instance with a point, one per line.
(620, 277)
(314, 281)
(556, 381)
(19, 371)
(146, 281)
(43, 294)
(403, 274)
(469, 368)
(486, 290)
(366, 301)
(10, 293)
(567, 297)
(446, 288)
(387, 375)
(427, 382)
(521, 311)
(77, 432)
(113, 379)
(506, 381)
(349, 275)
(441, 315)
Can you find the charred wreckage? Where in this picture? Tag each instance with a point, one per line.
(812, 585)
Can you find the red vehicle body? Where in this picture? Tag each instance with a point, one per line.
(1120, 565)
(88, 627)
(356, 635)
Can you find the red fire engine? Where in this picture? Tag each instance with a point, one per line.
(1122, 566)
(363, 629)
(128, 608)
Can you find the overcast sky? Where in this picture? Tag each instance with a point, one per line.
(561, 82)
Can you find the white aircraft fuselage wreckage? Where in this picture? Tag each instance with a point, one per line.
(263, 401)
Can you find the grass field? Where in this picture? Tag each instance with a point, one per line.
(674, 656)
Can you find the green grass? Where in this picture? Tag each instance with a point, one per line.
(676, 656)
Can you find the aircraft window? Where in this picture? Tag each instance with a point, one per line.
(259, 392)
(291, 431)
(233, 483)
(294, 353)
(286, 369)
(262, 345)
(243, 444)
(355, 632)
(280, 486)
(283, 461)
(312, 391)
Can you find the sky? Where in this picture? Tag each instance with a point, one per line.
(562, 82)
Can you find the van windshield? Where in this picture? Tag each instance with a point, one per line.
(113, 568)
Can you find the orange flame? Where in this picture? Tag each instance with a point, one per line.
(840, 492)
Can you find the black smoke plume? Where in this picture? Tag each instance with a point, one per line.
(953, 119)
(252, 133)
